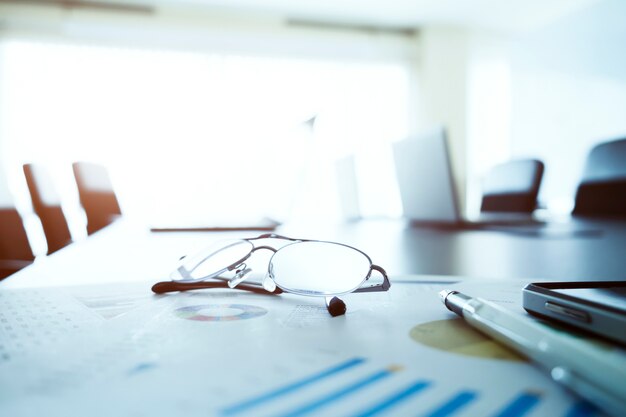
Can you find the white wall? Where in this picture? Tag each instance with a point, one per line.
(181, 37)
(550, 92)
(569, 92)
(464, 85)
(6, 199)
(489, 108)
(4, 188)
(442, 82)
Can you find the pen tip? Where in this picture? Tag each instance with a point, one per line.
(443, 295)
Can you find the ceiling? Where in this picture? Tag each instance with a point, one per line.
(503, 15)
(500, 15)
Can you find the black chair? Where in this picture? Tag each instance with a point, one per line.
(602, 189)
(512, 186)
(96, 195)
(15, 250)
(47, 205)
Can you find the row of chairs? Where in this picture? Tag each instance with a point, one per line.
(96, 197)
(601, 193)
(603, 189)
(514, 186)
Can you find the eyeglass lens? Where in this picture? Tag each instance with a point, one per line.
(212, 261)
(319, 268)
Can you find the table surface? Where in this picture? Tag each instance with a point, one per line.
(577, 251)
(218, 352)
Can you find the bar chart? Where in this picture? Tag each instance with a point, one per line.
(357, 376)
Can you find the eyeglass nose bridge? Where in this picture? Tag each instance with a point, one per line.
(242, 268)
(274, 250)
(272, 236)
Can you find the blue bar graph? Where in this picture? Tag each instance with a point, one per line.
(520, 405)
(339, 394)
(453, 405)
(272, 395)
(394, 399)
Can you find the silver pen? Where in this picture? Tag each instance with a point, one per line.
(596, 373)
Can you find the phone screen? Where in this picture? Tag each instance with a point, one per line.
(614, 297)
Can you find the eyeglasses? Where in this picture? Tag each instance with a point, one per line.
(298, 266)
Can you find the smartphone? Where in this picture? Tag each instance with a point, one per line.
(597, 307)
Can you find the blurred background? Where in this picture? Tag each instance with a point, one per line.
(238, 109)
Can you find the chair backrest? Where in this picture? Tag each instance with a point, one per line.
(512, 186)
(96, 195)
(47, 205)
(602, 189)
(15, 250)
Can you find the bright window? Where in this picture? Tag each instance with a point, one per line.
(197, 133)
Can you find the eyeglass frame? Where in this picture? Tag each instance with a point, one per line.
(335, 305)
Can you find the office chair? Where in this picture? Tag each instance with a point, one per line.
(47, 205)
(15, 251)
(512, 186)
(96, 195)
(602, 189)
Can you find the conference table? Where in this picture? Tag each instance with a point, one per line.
(576, 250)
(81, 332)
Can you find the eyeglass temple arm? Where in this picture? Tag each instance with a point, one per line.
(335, 306)
(172, 286)
(383, 286)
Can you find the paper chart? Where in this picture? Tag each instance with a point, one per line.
(287, 357)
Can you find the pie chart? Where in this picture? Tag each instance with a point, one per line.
(219, 312)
